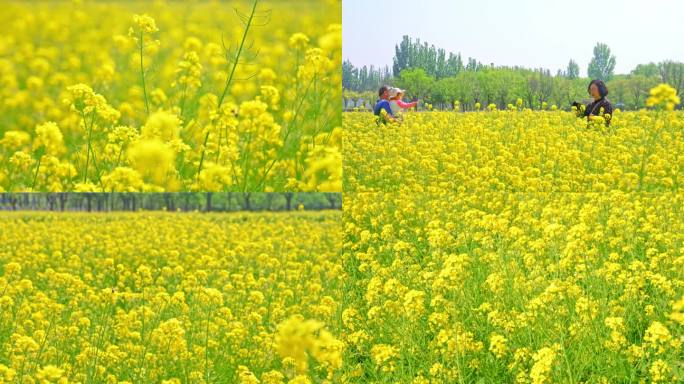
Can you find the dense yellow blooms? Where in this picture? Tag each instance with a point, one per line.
(663, 95)
(49, 137)
(299, 40)
(384, 356)
(497, 345)
(527, 288)
(161, 125)
(84, 81)
(157, 297)
(511, 150)
(302, 340)
(543, 363)
(145, 23)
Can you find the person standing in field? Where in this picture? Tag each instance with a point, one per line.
(383, 105)
(396, 104)
(600, 106)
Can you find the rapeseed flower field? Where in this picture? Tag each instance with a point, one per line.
(495, 287)
(170, 96)
(517, 150)
(157, 297)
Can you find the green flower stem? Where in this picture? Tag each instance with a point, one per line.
(35, 175)
(142, 74)
(228, 83)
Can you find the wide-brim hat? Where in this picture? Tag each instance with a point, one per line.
(395, 91)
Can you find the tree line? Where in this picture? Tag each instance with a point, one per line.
(442, 79)
(182, 201)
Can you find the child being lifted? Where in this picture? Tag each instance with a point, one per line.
(396, 104)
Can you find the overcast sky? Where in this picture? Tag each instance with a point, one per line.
(529, 33)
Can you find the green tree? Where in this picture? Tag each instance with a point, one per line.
(639, 85)
(619, 89)
(602, 64)
(672, 72)
(648, 70)
(572, 72)
(416, 82)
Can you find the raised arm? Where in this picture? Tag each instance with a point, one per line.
(406, 105)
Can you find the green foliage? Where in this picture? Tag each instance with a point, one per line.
(442, 79)
(417, 81)
(435, 62)
(364, 78)
(648, 70)
(503, 86)
(602, 64)
(572, 71)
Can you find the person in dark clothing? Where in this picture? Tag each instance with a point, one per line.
(383, 104)
(600, 106)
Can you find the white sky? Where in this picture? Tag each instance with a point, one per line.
(529, 33)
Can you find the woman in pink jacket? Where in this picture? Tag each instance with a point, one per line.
(396, 104)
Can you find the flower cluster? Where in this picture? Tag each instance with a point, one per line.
(513, 287)
(160, 297)
(76, 118)
(514, 150)
(663, 96)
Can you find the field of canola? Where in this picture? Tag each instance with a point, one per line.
(512, 150)
(170, 96)
(170, 297)
(527, 288)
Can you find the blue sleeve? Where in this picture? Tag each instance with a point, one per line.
(386, 107)
(382, 104)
